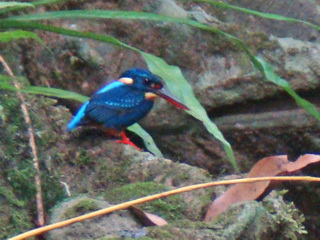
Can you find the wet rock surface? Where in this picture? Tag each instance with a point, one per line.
(119, 224)
(107, 173)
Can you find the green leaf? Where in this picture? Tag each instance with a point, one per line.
(94, 14)
(147, 139)
(18, 34)
(5, 84)
(24, 5)
(273, 77)
(259, 14)
(180, 87)
(44, 2)
(55, 92)
(14, 4)
(49, 28)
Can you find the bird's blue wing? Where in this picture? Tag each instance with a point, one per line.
(80, 115)
(117, 108)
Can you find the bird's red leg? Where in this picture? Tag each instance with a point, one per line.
(126, 140)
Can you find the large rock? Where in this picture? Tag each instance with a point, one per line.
(118, 224)
(257, 117)
(250, 220)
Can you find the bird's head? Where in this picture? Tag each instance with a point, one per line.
(151, 84)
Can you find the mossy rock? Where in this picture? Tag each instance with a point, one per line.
(80, 208)
(14, 216)
(252, 220)
(109, 226)
(170, 208)
(17, 187)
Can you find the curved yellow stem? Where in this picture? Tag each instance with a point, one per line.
(125, 205)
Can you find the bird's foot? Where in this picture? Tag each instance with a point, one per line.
(126, 140)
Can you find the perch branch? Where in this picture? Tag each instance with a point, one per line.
(32, 142)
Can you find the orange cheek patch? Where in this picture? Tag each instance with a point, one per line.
(126, 80)
(150, 96)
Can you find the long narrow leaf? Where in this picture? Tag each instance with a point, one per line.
(14, 4)
(20, 6)
(18, 34)
(5, 24)
(50, 92)
(55, 92)
(182, 89)
(259, 14)
(44, 2)
(95, 14)
(148, 140)
(273, 77)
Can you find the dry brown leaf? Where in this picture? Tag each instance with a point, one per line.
(266, 167)
(148, 219)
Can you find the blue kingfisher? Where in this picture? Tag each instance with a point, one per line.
(123, 102)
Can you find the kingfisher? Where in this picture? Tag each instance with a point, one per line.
(123, 102)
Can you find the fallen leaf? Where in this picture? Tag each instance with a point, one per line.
(148, 219)
(266, 167)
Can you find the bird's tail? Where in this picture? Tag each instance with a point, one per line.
(75, 122)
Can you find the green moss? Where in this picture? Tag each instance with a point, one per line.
(170, 208)
(16, 164)
(52, 189)
(260, 41)
(218, 44)
(10, 197)
(288, 218)
(162, 233)
(82, 207)
(111, 172)
(13, 213)
(82, 159)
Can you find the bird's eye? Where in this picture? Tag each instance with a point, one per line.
(146, 81)
(156, 86)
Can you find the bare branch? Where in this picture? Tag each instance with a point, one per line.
(32, 142)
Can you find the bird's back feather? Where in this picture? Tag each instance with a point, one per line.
(116, 105)
(118, 108)
(79, 118)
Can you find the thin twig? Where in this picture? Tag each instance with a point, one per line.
(32, 143)
(66, 187)
(154, 197)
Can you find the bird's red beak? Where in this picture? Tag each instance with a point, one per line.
(167, 95)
